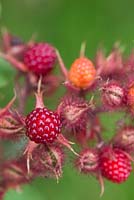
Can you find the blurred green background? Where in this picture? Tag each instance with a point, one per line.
(66, 23)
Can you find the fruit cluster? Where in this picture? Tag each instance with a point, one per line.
(105, 85)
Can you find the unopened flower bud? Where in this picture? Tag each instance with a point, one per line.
(88, 161)
(74, 112)
(47, 161)
(125, 139)
(112, 95)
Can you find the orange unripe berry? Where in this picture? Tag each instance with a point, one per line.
(82, 73)
(130, 96)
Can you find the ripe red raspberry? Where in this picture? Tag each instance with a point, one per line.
(40, 58)
(82, 73)
(115, 165)
(43, 125)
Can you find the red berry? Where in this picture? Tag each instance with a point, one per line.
(115, 165)
(40, 58)
(82, 73)
(43, 125)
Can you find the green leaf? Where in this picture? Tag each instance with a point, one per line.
(3, 81)
(5, 66)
